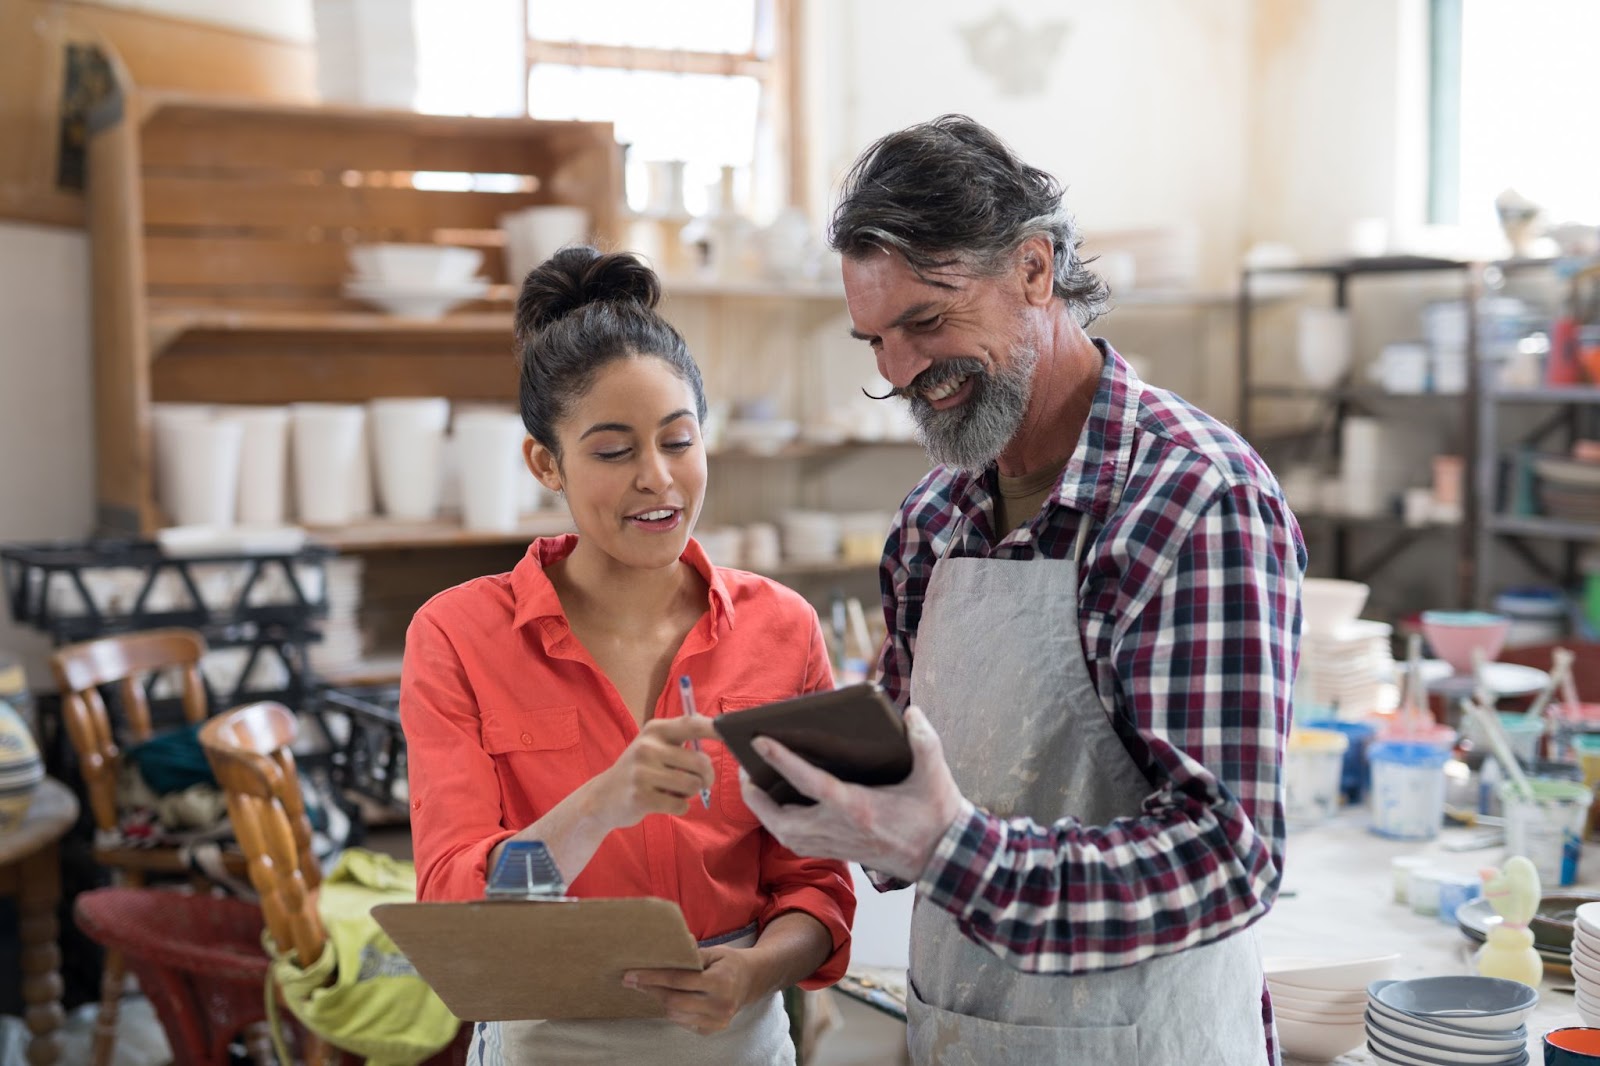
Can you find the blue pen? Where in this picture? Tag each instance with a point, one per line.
(686, 692)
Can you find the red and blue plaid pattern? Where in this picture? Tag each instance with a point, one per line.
(1189, 606)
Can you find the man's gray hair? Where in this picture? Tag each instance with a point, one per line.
(949, 194)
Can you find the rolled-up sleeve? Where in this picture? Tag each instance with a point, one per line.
(455, 797)
(818, 887)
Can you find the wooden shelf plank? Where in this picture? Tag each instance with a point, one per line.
(382, 535)
(1566, 394)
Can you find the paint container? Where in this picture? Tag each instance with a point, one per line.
(1312, 767)
(1457, 890)
(1549, 828)
(1400, 869)
(1355, 776)
(1423, 890)
(1407, 789)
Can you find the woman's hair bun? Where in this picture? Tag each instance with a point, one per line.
(576, 277)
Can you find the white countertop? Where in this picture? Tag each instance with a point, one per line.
(1339, 903)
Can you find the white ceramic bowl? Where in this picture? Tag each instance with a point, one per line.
(1464, 1041)
(1337, 1016)
(1587, 920)
(415, 264)
(1486, 1004)
(1387, 1051)
(1585, 969)
(1316, 998)
(1327, 603)
(411, 301)
(1318, 1042)
(1293, 972)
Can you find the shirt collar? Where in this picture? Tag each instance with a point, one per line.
(536, 596)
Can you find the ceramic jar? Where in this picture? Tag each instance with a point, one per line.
(21, 768)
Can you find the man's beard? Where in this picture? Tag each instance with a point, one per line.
(972, 435)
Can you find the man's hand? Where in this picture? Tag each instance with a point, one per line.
(892, 829)
(703, 1002)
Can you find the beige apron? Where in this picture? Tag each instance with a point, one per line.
(1027, 734)
(758, 1036)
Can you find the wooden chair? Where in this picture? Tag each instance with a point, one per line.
(250, 751)
(125, 661)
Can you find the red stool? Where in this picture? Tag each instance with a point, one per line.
(200, 962)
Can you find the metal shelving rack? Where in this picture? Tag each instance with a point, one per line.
(1575, 411)
(1346, 399)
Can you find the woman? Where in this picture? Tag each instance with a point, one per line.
(541, 704)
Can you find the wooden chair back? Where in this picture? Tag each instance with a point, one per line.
(125, 661)
(249, 749)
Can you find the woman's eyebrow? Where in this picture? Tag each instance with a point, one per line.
(622, 427)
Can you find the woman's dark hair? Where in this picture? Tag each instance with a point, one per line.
(950, 194)
(578, 311)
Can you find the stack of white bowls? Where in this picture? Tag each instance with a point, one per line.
(416, 280)
(1319, 1003)
(810, 537)
(1586, 962)
(1449, 1021)
(340, 648)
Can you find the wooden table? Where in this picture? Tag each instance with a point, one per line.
(1338, 902)
(30, 870)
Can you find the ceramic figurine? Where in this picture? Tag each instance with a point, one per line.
(21, 769)
(1514, 892)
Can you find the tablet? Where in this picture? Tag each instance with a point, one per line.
(854, 733)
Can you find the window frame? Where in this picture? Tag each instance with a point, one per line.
(779, 75)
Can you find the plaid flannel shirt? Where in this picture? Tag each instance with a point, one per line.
(1189, 608)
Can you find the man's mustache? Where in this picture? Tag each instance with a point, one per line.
(933, 377)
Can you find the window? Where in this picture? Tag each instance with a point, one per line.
(1513, 91)
(707, 82)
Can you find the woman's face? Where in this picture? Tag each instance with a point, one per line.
(632, 464)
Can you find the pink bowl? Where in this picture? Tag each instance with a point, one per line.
(1455, 635)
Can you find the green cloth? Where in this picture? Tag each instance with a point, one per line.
(363, 995)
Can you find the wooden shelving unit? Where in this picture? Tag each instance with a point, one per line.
(220, 234)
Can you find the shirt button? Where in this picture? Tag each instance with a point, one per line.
(527, 738)
(416, 805)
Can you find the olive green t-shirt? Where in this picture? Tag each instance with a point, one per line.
(1021, 497)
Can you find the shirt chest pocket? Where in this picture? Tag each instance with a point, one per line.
(545, 729)
(729, 802)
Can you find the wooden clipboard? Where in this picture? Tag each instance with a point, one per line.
(516, 960)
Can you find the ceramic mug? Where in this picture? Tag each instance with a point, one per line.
(1574, 1045)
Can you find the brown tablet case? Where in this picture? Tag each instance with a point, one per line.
(854, 733)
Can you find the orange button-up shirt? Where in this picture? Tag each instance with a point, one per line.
(505, 714)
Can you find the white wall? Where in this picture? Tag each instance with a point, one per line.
(1144, 115)
(46, 424)
(289, 20)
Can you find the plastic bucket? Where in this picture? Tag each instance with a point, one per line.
(1312, 768)
(1407, 789)
(1547, 829)
(1523, 732)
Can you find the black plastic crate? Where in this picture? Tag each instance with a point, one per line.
(366, 747)
(74, 591)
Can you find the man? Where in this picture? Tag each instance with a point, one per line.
(1093, 604)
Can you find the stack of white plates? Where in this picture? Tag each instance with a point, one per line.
(1586, 962)
(1569, 488)
(1319, 1003)
(340, 647)
(1349, 667)
(416, 280)
(1449, 1020)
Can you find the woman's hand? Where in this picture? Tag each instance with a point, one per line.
(656, 774)
(703, 1002)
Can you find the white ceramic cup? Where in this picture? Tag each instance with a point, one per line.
(327, 439)
(489, 451)
(1324, 345)
(534, 234)
(204, 489)
(164, 445)
(263, 463)
(408, 438)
